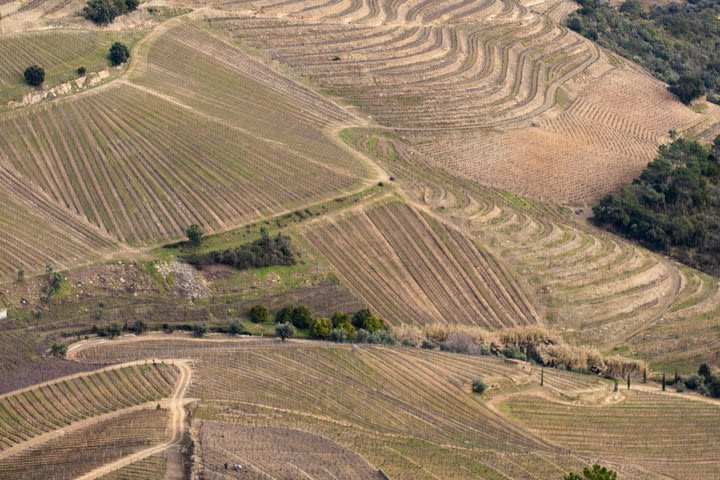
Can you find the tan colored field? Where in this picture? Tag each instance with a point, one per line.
(412, 269)
(392, 407)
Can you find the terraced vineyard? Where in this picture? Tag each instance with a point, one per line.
(152, 468)
(277, 453)
(37, 411)
(391, 406)
(410, 268)
(492, 91)
(591, 285)
(75, 453)
(627, 436)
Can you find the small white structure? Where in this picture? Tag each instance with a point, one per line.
(3, 314)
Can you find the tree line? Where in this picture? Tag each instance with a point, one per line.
(673, 206)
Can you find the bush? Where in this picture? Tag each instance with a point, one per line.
(348, 328)
(687, 87)
(408, 342)
(338, 335)
(340, 318)
(284, 331)
(114, 330)
(34, 75)
(478, 386)
(693, 381)
(373, 324)
(301, 316)
(713, 386)
(427, 345)
(81, 71)
(595, 473)
(199, 329)
(119, 53)
(103, 12)
(284, 315)
(362, 336)
(58, 350)
(680, 387)
(513, 352)
(140, 326)
(321, 328)
(358, 320)
(265, 252)
(236, 328)
(381, 337)
(258, 314)
(194, 232)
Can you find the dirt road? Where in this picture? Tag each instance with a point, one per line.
(176, 427)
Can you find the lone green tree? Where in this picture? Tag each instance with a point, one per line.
(596, 472)
(301, 316)
(478, 386)
(119, 53)
(195, 235)
(34, 75)
(284, 331)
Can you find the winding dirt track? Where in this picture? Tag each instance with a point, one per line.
(176, 426)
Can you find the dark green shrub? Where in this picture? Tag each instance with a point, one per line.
(199, 329)
(284, 315)
(301, 316)
(34, 75)
(81, 71)
(236, 328)
(258, 314)
(478, 386)
(427, 345)
(101, 12)
(120, 53)
(194, 232)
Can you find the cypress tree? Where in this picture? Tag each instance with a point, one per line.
(542, 376)
(663, 382)
(628, 382)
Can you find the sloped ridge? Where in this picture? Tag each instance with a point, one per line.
(414, 269)
(147, 163)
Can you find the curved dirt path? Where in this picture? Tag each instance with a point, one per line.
(176, 427)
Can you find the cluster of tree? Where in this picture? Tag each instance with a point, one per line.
(705, 382)
(362, 327)
(104, 12)
(677, 42)
(264, 252)
(674, 206)
(596, 472)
